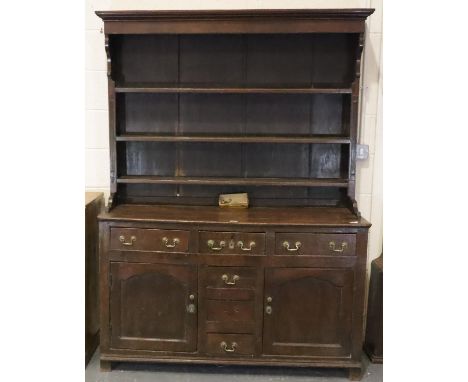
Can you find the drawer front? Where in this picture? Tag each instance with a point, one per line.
(136, 239)
(315, 244)
(230, 311)
(230, 243)
(230, 277)
(230, 344)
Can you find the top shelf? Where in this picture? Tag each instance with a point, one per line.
(217, 89)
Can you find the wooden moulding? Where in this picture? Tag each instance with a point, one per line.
(236, 21)
(146, 88)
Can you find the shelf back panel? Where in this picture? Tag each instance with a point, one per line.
(233, 114)
(202, 195)
(235, 60)
(233, 160)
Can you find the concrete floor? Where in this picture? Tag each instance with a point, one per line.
(127, 372)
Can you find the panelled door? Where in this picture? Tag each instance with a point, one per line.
(154, 306)
(307, 312)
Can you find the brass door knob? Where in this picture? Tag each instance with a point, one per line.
(191, 308)
(268, 308)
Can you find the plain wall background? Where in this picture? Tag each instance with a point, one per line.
(369, 172)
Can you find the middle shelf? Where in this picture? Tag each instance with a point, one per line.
(338, 139)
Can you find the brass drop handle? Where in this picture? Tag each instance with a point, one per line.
(191, 308)
(297, 244)
(175, 241)
(268, 308)
(225, 278)
(224, 346)
(211, 244)
(333, 248)
(129, 243)
(240, 244)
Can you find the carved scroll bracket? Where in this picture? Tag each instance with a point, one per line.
(110, 202)
(353, 206)
(359, 49)
(108, 55)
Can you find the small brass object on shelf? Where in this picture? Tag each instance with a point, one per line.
(234, 200)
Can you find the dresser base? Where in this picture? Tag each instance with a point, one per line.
(260, 287)
(355, 369)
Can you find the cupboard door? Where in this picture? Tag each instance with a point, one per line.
(154, 306)
(307, 312)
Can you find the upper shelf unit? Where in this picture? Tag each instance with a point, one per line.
(210, 102)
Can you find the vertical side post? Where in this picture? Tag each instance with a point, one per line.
(353, 128)
(112, 127)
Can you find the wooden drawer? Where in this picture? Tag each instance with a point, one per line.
(244, 243)
(136, 239)
(315, 244)
(230, 344)
(228, 311)
(230, 277)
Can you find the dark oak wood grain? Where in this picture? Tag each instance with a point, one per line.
(209, 102)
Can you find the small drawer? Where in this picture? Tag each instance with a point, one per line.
(229, 243)
(231, 277)
(230, 344)
(315, 244)
(229, 311)
(237, 294)
(136, 239)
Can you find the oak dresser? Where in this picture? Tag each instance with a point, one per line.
(203, 103)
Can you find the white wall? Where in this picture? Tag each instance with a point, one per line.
(369, 174)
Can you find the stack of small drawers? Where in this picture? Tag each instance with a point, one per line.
(230, 294)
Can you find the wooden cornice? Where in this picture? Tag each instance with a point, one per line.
(242, 14)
